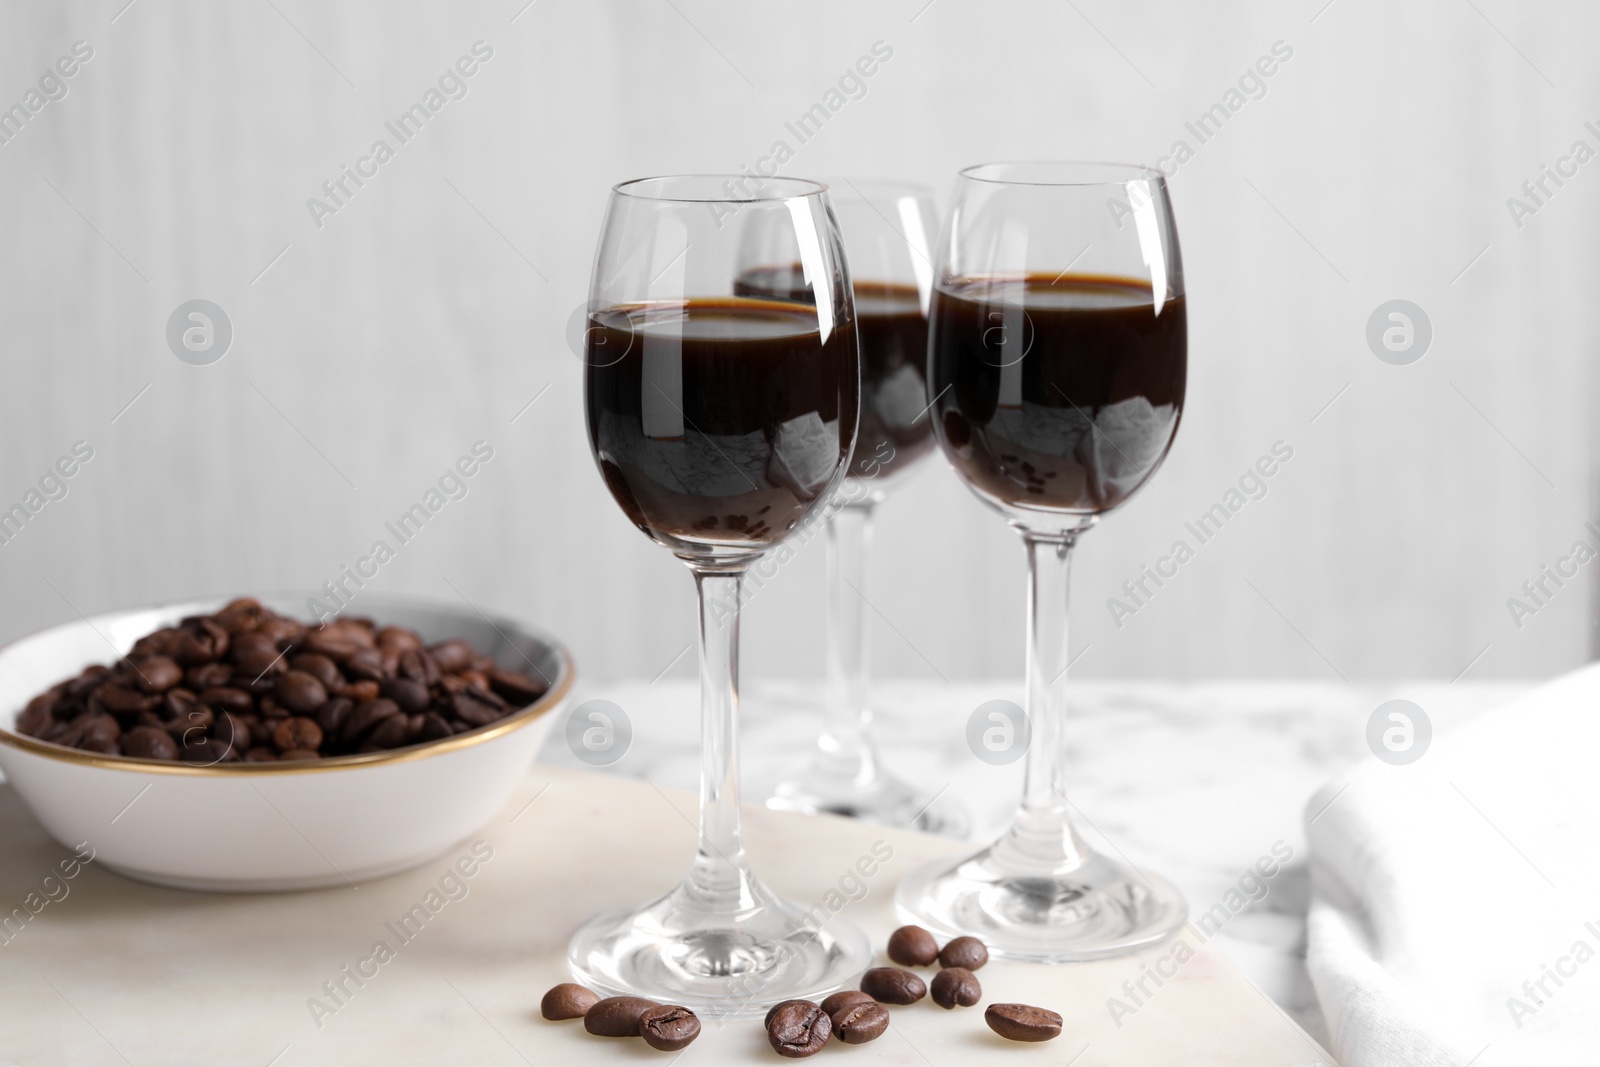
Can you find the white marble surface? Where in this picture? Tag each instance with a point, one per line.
(1196, 781)
(445, 964)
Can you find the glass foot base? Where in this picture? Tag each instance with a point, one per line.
(719, 965)
(1096, 910)
(884, 800)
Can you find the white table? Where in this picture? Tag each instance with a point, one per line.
(1195, 781)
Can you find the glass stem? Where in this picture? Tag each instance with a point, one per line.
(845, 751)
(720, 878)
(1043, 839)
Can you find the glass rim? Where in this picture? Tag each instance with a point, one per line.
(638, 188)
(1117, 173)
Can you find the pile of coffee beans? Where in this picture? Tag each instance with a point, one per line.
(248, 684)
(800, 1028)
(667, 1027)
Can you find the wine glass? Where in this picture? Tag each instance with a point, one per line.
(720, 422)
(888, 228)
(1057, 365)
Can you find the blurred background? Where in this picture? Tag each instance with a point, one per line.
(377, 338)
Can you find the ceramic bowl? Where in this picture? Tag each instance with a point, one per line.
(248, 827)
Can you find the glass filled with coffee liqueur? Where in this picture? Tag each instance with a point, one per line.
(888, 228)
(1057, 364)
(721, 421)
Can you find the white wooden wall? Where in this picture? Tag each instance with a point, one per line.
(429, 310)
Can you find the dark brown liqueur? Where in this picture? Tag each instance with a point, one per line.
(895, 429)
(1057, 393)
(723, 420)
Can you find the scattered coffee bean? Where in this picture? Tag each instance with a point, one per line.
(966, 952)
(891, 985)
(912, 946)
(616, 1016)
(956, 987)
(798, 1028)
(247, 684)
(668, 1027)
(1022, 1022)
(856, 1024)
(844, 998)
(568, 1001)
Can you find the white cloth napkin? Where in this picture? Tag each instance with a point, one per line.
(1455, 916)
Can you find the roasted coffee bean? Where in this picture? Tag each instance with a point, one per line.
(298, 753)
(124, 700)
(157, 674)
(35, 718)
(365, 663)
(269, 708)
(300, 692)
(1022, 1022)
(152, 644)
(912, 946)
(616, 1016)
(856, 1024)
(668, 1027)
(410, 666)
(389, 733)
(365, 717)
(331, 715)
(843, 999)
(255, 653)
(101, 733)
(433, 727)
(232, 731)
(331, 644)
(398, 638)
(260, 754)
(475, 679)
(360, 692)
(198, 640)
(472, 706)
(227, 698)
(284, 632)
(453, 655)
(411, 695)
(362, 631)
(568, 1001)
(238, 616)
(956, 987)
(966, 952)
(319, 667)
(515, 688)
(208, 676)
(798, 1028)
(86, 682)
(195, 719)
(147, 742)
(296, 733)
(205, 750)
(891, 985)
